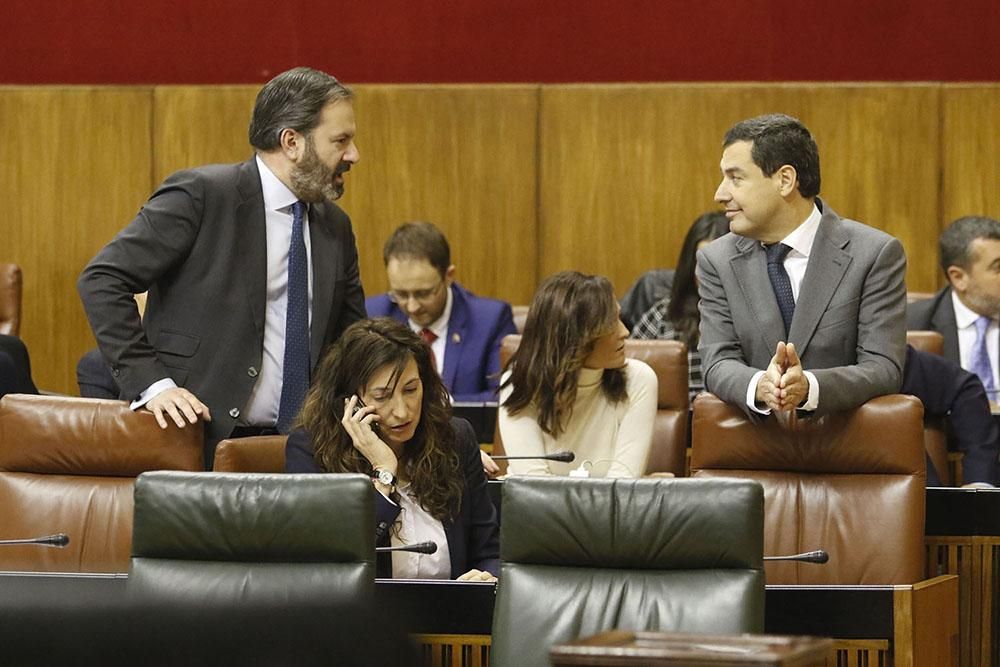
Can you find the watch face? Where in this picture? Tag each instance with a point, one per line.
(386, 477)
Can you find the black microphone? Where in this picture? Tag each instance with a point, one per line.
(418, 548)
(818, 556)
(59, 540)
(563, 457)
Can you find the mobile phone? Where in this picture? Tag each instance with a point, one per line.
(357, 406)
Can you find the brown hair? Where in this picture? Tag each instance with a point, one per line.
(568, 313)
(430, 457)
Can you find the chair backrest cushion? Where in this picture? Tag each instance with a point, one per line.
(67, 466)
(850, 483)
(261, 536)
(262, 453)
(583, 556)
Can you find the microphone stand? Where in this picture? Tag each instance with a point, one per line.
(419, 548)
(58, 540)
(563, 457)
(819, 556)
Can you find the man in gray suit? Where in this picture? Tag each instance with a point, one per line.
(251, 271)
(966, 312)
(800, 308)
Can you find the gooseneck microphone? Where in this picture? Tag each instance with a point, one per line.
(58, 540)
(418, 548)
(818, 556)
(563, 457)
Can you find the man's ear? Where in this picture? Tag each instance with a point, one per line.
(449, 275)
(958, 278)
(788, 180)
(292, 144)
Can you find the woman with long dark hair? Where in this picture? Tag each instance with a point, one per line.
(569, 385)
(377, 406)
(675, 317)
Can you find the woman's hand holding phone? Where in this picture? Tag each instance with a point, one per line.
(361, 423)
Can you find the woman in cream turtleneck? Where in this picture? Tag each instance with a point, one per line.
(569, 385)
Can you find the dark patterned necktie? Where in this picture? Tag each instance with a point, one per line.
(782, 286)
(295, 371)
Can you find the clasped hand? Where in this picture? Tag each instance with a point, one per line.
(784, 386)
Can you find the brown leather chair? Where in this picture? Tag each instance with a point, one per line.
(10, 299)
(926, 341)
(850, 483)
(262, 453)
(67, 465)
(520, 317)
(669, 360)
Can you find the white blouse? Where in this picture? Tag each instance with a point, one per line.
(414, 525)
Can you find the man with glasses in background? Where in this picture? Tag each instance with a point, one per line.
(463, 330)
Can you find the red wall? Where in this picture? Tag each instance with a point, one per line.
(548, 41)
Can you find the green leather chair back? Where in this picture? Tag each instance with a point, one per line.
(260, 539)
(581, 556)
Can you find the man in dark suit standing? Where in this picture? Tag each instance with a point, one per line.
(966, 312)
(251, 271)
(800, 308)
(463, 330)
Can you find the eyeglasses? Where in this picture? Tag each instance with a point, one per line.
(420, 295)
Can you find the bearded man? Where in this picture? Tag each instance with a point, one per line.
(251, 271)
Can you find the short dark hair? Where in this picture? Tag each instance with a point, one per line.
(956, 241)
(420, 240)
(779, 140)
(294, 100)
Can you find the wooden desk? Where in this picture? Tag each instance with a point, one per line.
(622, 649)
(962, 536)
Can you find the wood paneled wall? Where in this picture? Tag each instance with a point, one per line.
(524, 180)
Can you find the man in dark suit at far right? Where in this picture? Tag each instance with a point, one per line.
(966, 312)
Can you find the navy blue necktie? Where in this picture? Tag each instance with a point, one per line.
(295, 371)
(780, 283)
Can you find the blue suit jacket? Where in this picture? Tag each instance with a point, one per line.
(473, 536)
(472, 352)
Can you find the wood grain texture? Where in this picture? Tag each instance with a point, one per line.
(462, 157)
(74, 166)
(970, 164)
(196, 125)
(626, 169)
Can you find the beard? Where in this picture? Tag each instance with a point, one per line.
(313, 181)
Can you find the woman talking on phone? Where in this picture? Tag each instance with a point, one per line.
(377, 406)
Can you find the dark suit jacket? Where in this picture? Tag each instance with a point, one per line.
(948, 391)
(473, 537)
(15, 367)
(849, 326)
(472, 353)
(936, 314)
(199, 247)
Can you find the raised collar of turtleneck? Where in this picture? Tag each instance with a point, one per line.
(589, 379)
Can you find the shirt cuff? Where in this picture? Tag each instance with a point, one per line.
(752, 394)
(812, 401)
(152, 391)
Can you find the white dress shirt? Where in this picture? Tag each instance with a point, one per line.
(965, 323)
(801, 242)
(440, 329)
(416, 525)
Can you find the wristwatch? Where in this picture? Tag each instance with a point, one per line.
(383, 476)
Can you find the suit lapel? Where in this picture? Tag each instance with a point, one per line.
(253, 242)
(325, 268)
(750, 267)
(943, 320)
(828, 262)
(457, 325)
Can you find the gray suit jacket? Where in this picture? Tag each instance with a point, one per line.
(199, 247)
(849, 324)
(937, 314)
